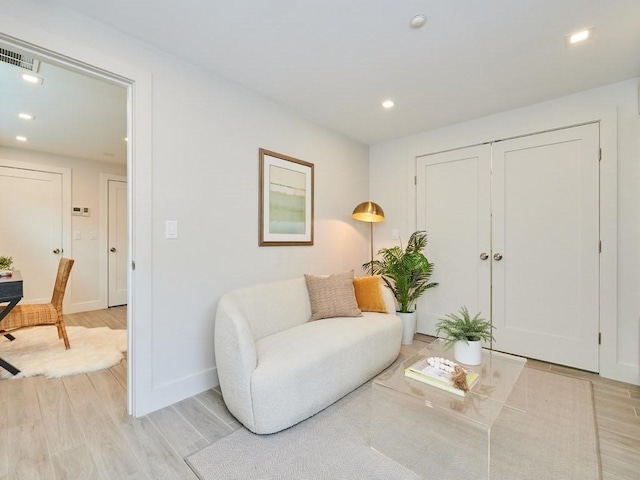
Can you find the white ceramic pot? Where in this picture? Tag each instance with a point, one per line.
(469, 353)
(408, 326)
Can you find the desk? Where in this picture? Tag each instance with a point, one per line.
(10, 291)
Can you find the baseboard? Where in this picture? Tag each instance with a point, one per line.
(622, 373)
(161, 396)
(84, 306)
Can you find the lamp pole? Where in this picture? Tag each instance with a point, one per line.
(371, 238)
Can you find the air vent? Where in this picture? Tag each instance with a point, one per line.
(19, 60)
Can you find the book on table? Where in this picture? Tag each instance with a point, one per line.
(431, 375)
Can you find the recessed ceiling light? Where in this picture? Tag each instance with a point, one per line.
(388, 104)
(32, 79)
(21, 138)
(26, 116)
(418, 21)
(579, 37)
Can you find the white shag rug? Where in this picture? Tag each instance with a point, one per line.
(39, 351)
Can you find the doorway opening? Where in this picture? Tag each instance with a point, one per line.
(81, 121)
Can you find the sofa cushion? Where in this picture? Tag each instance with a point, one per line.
(304, 369)
(332, 296)
(369, 294)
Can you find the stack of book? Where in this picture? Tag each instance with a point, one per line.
(439, 374)
(6, 273)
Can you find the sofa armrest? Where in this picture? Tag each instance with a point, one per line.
(236, 358)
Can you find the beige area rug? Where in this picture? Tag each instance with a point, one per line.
(555, 440)
(38, 351)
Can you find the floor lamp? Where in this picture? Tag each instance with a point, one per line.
(372, 213)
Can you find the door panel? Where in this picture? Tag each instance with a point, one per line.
(31, 212)
(117, 243)
(546, 227)
(454, 209)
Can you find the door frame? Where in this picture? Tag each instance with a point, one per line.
(497, 234)
(539, 119)
(104, 233)
(75, 56)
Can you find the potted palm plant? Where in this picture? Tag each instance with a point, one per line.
(406, 272)
(465, 334)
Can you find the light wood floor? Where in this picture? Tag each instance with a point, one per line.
(77, 426)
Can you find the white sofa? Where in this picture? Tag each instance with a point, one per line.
(277, 368)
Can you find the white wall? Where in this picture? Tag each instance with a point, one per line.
(210, 186)
(195, 140)
(86, 289)
(392, 166)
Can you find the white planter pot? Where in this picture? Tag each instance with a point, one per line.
(408, 326)
(469, 353)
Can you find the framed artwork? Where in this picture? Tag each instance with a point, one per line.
(286, 200)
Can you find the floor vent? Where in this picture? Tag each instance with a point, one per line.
(19, 60)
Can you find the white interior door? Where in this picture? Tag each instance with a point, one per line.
(546, 228)
(117, 242)
(454, 209)
(31, 211)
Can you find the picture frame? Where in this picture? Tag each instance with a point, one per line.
(286, 206)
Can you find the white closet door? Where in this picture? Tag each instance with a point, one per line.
(546, 228)
(31, 213)
(453, 206)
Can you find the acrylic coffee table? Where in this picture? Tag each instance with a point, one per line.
(438, 434)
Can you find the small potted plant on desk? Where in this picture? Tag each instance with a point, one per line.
(465, 334)
(6, 266)
(406, 272)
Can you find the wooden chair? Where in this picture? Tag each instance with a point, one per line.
(31, 315)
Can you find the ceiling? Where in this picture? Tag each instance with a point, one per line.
(75, 115)
(334, 62)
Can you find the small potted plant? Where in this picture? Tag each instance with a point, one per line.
(465, 334)
(6, 266)
(407, 273)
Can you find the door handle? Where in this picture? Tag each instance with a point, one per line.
(57, 251)
(497, 257)
(112, 249)
(483, 256)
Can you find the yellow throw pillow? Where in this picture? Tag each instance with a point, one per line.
(369, 294)
(332, 296)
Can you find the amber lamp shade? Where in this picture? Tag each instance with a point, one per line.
(371, 213)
